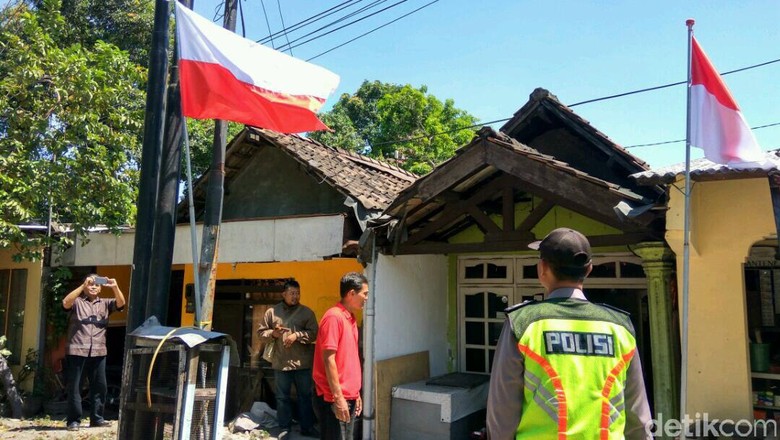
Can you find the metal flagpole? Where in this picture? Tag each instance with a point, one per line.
(185, 139)
(686, 241)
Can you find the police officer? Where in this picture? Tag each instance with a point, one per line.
(565, 367)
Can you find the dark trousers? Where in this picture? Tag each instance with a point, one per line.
(95, 367)
(303, 386)
(332, 428)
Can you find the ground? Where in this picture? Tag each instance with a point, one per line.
(41, 428)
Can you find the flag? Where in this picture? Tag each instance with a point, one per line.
(717, 125)
(225, 76)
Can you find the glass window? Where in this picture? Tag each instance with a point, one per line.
(475, 333)
(475, 272)
(495, 271)
(631, 270)
(475, 305)
(475, 360)
(606, 270)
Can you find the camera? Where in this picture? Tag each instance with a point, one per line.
(99, 281)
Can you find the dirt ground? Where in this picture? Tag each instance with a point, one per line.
(47, 428)
(44, 427)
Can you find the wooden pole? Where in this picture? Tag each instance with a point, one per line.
(207, 270)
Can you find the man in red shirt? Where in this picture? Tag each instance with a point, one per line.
(337, 372)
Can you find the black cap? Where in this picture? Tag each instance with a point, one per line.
(564, 248)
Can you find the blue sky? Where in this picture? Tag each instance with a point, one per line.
(488, 56)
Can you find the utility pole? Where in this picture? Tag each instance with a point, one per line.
(207, 271)
(165, 221)
(150, 166)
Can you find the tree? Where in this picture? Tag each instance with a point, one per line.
(70, 126)
(127, 24)
(396, 122)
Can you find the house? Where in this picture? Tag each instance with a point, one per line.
(734, 287)
(454, 253)
(293, 208)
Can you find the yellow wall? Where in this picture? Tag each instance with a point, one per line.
(122, 276)
(727, 218)
(319, 279)
(32, 306)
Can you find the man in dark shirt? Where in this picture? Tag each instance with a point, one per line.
(86, 346)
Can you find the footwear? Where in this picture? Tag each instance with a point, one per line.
(73, 426)
(99, 424)
(283, 435)
(310, 432)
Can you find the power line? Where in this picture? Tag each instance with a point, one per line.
(267, 23)
(349, 24)
(339, 20)
(649, 89)
(306, 21)
(604, 98)
(371, 31)
(281, 17)
(683, 140)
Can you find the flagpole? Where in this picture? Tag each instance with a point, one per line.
(686, 241)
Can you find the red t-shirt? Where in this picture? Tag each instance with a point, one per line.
(338, 331)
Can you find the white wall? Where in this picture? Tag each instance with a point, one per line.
(411, 307)
(288, 239)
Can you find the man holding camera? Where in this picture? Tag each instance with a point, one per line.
(292, 328)
(86, 347)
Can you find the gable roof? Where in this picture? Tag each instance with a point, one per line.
(496, 169)
(538, 123)
(703, 170)
(374, 184)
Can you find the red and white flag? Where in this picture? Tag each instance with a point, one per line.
(225, 76)
(717, 124)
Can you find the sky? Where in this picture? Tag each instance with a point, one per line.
(488, 56)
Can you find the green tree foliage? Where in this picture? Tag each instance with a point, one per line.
(71, 118)
(127, 24)
(397, 122)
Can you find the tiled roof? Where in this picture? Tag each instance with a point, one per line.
(542, 96)
(373, 183)
(703, 169)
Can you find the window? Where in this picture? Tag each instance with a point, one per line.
(483, 317)
(13, 292)
(486, 286)
(491, 271)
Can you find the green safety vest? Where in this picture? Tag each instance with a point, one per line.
(576, 360)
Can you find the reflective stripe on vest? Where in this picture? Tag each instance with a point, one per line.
(575, 371)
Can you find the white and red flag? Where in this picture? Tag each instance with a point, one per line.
(717, 124)
(225, 76)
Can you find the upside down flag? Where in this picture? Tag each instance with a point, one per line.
(225, 76)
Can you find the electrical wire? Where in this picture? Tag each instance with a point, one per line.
(339, 20)
(350, 23)
(604, 98)
(683, 140)
(281, 17)
(241, 14)
(371, 31)
(262, 2)
(307, 21)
